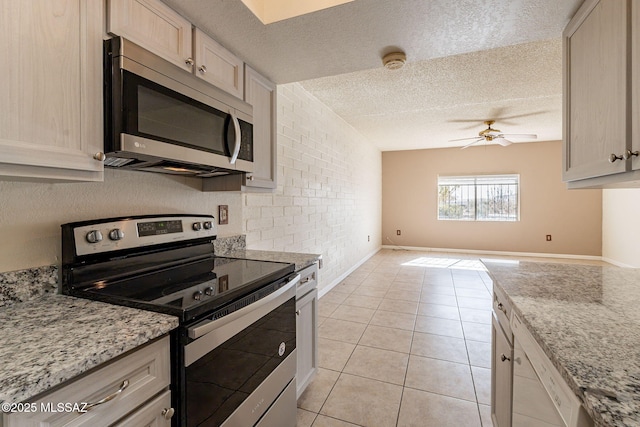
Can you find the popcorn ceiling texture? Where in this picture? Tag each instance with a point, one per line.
(329, 188)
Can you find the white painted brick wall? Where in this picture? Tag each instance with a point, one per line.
(329, 193)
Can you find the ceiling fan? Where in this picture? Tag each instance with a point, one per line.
(494, 135)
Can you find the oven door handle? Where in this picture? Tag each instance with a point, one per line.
(209, 334)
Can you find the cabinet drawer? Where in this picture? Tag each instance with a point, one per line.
(308, 280)
(152, 414)
(502, 309)
(139, 375)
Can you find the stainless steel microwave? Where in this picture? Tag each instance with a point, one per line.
(160, 118)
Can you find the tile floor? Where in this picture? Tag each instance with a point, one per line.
(404, 341)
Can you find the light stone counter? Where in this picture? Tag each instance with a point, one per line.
(587, 320)
(49, 340)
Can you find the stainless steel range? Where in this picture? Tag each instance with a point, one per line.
(234, 353)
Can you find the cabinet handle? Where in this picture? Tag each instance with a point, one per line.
(202, 69)
(167, 413)
(613, 158)
(250, 178)
(502, 309)
(100, 156)
(298, 312)
(504, 358)
(189, 61)
(122, 388)
(629, 154)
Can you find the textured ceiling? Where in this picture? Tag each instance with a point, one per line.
(336, 54)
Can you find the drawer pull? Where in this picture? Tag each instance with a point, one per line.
(501, 308)
(504, 358)
(122, 388)
(167, 413)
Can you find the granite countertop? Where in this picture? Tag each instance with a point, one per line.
(49, 340)
(301, 260)
(586, 318)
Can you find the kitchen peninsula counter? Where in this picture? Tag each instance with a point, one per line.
(586, 318)
(49, 340)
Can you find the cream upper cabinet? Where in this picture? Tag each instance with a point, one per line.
(217, 65)
(635, 85)
(595, 90)
(51, 90)
(154, 26)
(261, 94)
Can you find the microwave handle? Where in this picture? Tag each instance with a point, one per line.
(236, 146)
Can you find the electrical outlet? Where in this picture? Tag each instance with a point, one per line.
(548, 237)
(398, 233)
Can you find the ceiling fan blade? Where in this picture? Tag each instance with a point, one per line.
(502, 141)
(470, 144)
(519, 135)
(465, 139)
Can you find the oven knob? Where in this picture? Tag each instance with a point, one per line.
(207, 225)
(197, 295)
(116, 234)
(94, 236)
(209, 291)
(197, 226)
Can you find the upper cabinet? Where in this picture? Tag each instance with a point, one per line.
(261, 94)
(154, 26)
(159, 29)
(51, 90)
(217, 65)
(601, 95)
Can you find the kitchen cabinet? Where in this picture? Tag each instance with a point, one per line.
(217, 65)
(261, 94)
(161, 30)
(154, 26)
(307, 328)
(601, 95)
(51, 90)
(135, 386)
(501, 361)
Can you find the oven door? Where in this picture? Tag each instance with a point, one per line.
(241, 368)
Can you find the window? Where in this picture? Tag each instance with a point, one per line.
(479, 198)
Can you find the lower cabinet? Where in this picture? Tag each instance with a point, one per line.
(135, 386)
(307, 328)
(501, 376)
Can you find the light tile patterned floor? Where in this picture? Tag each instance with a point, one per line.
(404, 341)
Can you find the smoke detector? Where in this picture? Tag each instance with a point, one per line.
(394, 60)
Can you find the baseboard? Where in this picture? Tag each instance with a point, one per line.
(617, 263)
(498, 253)
(344, 275)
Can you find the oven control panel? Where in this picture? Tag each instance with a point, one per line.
(128, 233)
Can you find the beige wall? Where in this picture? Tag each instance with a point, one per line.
(620, 235)
(329, 191)
(409, 194)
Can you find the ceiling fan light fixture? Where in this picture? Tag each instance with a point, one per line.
(394, 60)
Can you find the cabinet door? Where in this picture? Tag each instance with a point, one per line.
(261, 94)
(501, 377)
(595, 90)
(154, 26)
(157, 413)
(306, 340)
(51, 89)
(217, 65)
(635, 84)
